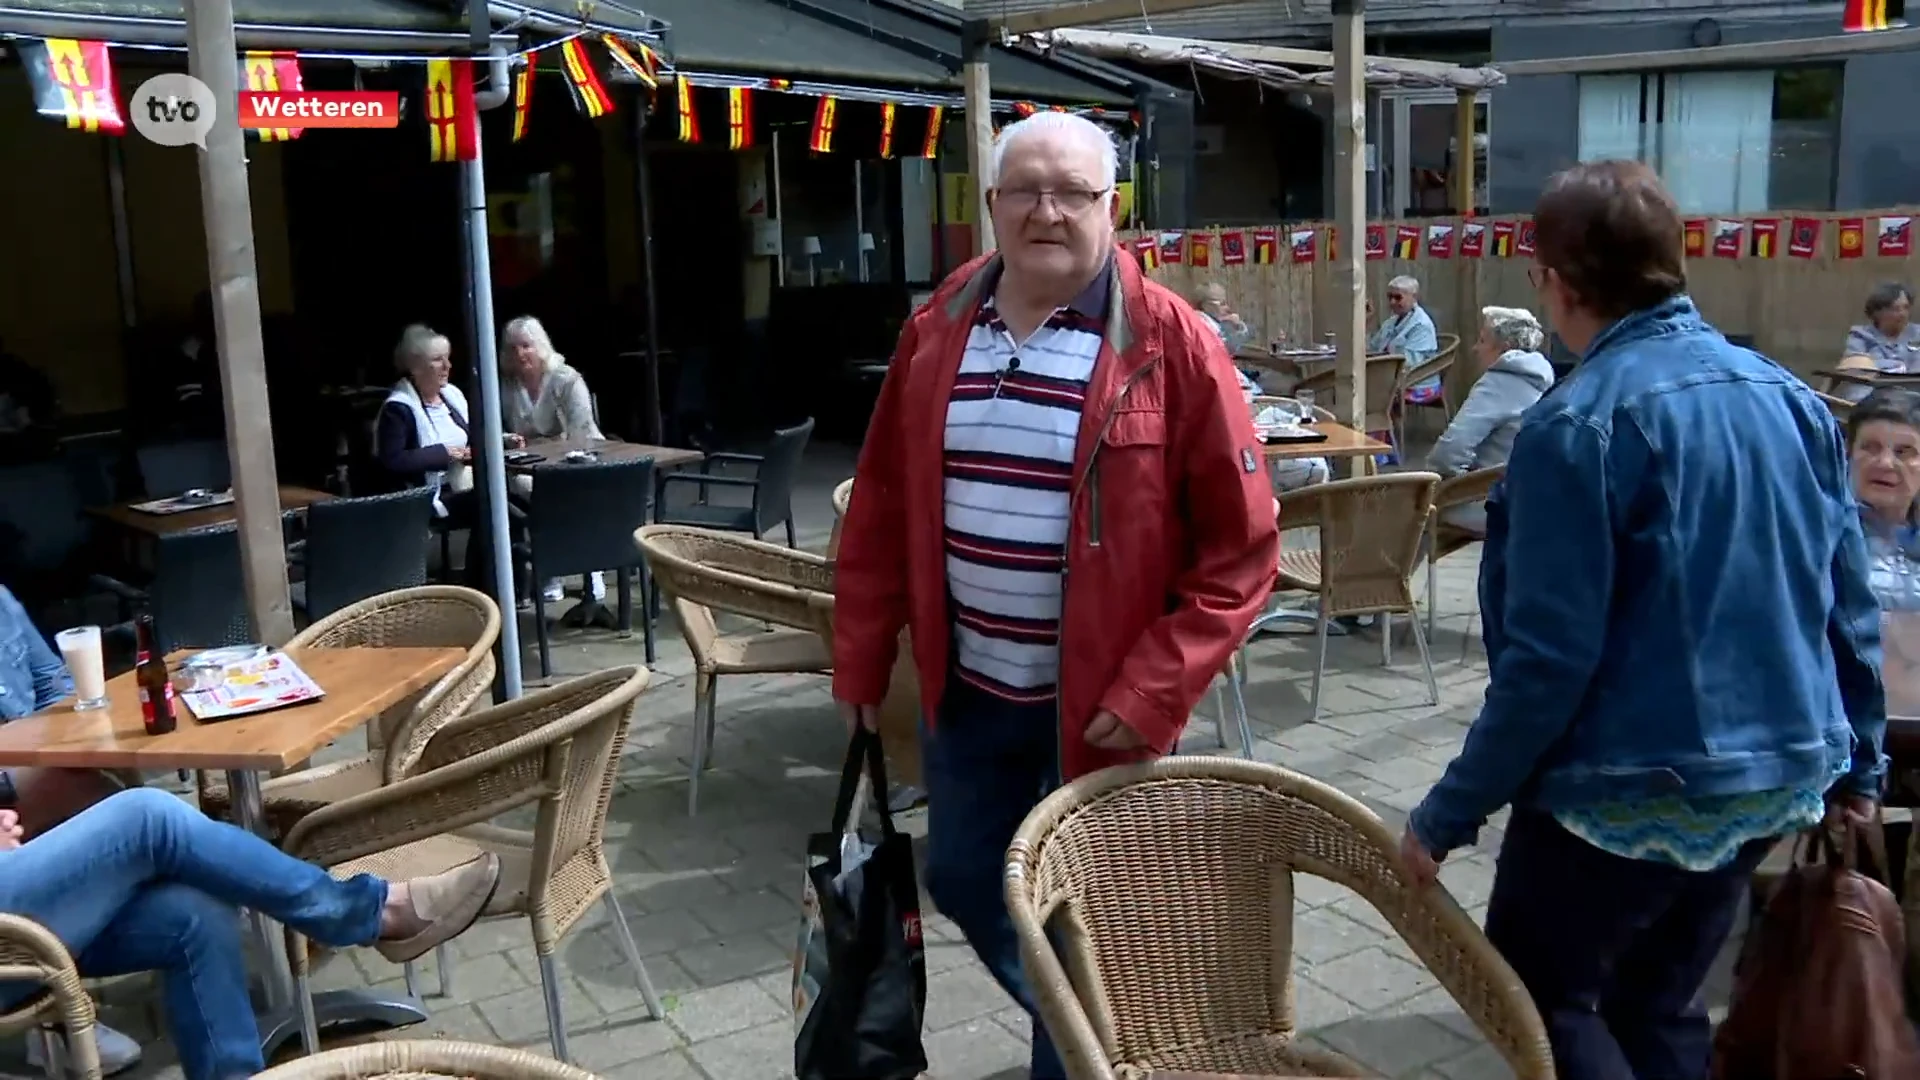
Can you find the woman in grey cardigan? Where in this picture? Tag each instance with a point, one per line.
(1513, 376)
(544, 397)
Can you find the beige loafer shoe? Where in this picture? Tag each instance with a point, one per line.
(449, 903)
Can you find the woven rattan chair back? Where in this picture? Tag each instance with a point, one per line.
(1370, 534)
(1209, 847)
(29, 953)
(1469, 487)
(1840, 407)
(425, 1061)
(732, 573)
(429, 616)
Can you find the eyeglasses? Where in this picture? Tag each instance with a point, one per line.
(1070, 201)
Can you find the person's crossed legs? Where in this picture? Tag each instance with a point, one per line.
(143, 881)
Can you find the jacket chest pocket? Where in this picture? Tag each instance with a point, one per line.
(1128, 489)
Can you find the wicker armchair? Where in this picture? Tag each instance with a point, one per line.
(1445, 537)
(1210, 846)
(61, 1013)
(425, 1061)
(1839, 406)
(428, 616)
(900, 711)
(1382, 390)
(702, 571)
(1371, 532)
(557, 749)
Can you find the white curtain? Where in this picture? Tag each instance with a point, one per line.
(1716, 139)
(1610, 117)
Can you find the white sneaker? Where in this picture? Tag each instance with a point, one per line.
(596, 586)
(554, 592)
(118, 1052)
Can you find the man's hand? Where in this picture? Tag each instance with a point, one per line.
(514, 442)
(1854, 809)
(1422, 868)
(11, 834)
(867, 716)
(1109, 732)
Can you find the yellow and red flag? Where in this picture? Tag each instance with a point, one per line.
(1861, 16)
(453, 123)
(930, 142)
(689, 126)
(887, 111)
(820, 140)
(1024, 109)
(643, 69)
(271, 71)
(583, 83)
(73, 81)
(522, 100)
(739, 117)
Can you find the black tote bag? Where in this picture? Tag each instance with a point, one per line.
(860, 970)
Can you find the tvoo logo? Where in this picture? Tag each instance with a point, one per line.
(174, 110)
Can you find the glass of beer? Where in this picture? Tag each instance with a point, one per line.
(80, 648)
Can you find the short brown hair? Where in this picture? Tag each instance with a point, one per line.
(1613, 234)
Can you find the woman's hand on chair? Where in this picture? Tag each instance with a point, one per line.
(1422, 868)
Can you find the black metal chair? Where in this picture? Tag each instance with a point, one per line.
(44, 537)
(581, 520)
(771, 485)
(198, 595)
(96, 460)
(170, 468)
(356, 548)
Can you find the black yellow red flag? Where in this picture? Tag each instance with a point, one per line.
(453, 123)
(930, 142)
(73, 81)
(583, 82)
(522, 100)
(1861, 16)
(683, 108)
(1024, 109)
(887, 116)
(820, 140)
(271, 71)
(643, 68)
(739, 117)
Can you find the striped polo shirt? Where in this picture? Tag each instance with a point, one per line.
(1012, 423)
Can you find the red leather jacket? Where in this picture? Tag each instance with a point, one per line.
(1172, 546)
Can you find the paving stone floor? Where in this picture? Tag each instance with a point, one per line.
(713, 899)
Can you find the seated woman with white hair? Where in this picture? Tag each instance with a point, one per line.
(1408, 332)
(1513, 376)
(420, 438)
(544, 397)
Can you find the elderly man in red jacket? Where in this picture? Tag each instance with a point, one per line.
(1062, 495)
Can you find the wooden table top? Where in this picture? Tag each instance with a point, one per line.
(664, 457)
(360, 683)
(124, 515)
(1341, 441)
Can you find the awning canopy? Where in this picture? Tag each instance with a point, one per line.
(1281, 68)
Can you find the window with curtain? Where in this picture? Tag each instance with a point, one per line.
(1724, 142)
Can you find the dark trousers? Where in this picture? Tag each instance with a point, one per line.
(1613, 950)
(986, 764)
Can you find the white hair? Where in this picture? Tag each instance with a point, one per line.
(1404, 284)
(533, 331)
(417, 342)
(1069, 125)
(1513, 328)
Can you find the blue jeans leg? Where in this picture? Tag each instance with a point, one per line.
(987, 764)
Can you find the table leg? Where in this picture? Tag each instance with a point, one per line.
(249, 812)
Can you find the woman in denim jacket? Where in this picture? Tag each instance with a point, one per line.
(1683, 649)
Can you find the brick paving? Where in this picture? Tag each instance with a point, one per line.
(713, 899)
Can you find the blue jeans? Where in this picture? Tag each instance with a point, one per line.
(986, 764)
(142, 881)
(1613, 950)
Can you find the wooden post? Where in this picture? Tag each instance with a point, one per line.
(231, 270)
(1350, 208)
(975, 47)
(1459, 378)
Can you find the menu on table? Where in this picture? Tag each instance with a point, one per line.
(180, 504)
(255, 685)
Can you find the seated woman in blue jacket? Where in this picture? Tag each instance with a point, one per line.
(1683, 647)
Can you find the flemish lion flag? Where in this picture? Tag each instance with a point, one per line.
(689, 126)
(589, 93)
(820, 140)
(522, 100)
(930, 142)
(643, 69)
(453, 123)
(73, 81)
(739, 117)
(271, 71)
(887, 111)
(1867, 15)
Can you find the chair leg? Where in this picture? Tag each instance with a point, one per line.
(1320, 667)
(1433, 594)
(1426, 663)
(625, 935)
(540, 630)
(1386, 638)
(411, 976)
(713, 719)
(309, 1020)
(649, 609)
(1236, 677)
(53, 1052)
(556, 1019)
(703, 687)
(1220, 707)
(790, 540)
(443, 959)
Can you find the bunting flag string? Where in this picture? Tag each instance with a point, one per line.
(522, 101)
(644, 69)
(453, 121)
(583, 82)
(930, 142)
(689, 126)
(73, 81)
(887, 111)
(739, 118)
(270, 71)
(1865, 16)
(820, 140)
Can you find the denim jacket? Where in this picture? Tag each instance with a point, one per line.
(1674, 588)
(31, 674)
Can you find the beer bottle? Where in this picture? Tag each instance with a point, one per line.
(156, 685)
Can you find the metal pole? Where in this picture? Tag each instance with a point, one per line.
(235, 281)
(779, 212)
(122, 232)
(656, 415)
(859, 218)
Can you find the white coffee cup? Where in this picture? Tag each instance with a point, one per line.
(80, 648)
